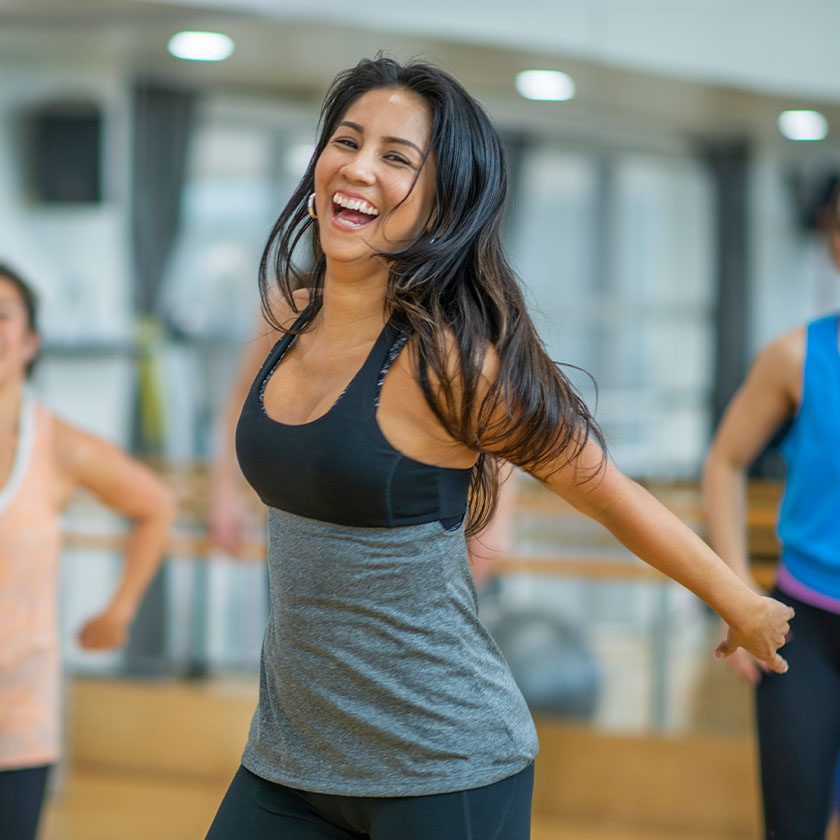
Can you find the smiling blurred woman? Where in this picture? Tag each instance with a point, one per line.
(43, 460)
(373, 432)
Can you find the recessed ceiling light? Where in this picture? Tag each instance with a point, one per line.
(201, 46)
(545, 85)
(803, 125)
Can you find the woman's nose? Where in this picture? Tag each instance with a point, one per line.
(360, 168)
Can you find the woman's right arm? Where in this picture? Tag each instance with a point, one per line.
(769, 396)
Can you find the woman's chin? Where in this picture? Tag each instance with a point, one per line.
(347, 252)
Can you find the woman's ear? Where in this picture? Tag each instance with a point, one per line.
(31, 346)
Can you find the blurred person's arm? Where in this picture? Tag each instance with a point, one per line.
(227, 502)
(227, 506)
(127, 487)
(769, 396)
(496, 539)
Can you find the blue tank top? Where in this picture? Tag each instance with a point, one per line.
(809, 519)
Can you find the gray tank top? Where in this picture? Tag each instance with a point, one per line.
(376, 676)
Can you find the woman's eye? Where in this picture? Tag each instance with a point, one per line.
(346, 141)
(396, 158)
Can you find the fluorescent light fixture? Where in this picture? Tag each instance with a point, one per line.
(545, 85)
(201, 46)
(803, 125)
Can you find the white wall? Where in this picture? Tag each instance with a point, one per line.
(76, 256)
(792, 277)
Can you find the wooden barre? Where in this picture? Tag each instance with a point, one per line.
(589, 566)
(580, 566)
(593, 568)
(195, 547)
(201, 548)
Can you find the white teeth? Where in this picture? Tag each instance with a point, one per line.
(355, 204)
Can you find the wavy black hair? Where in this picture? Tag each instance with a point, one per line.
(451, 286)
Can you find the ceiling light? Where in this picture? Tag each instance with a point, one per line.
(545, 85)
(803, 125)
(201, 46)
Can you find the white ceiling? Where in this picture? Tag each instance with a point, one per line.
(772, 46)
(695, 65)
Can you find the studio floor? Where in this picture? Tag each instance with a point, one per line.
(99, 805)
(141, 765)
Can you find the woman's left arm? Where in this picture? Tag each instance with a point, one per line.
(127, 487)
(593, 485)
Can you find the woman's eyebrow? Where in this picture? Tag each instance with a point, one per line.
(357, 127)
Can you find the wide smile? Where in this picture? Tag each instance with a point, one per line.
(351, 212)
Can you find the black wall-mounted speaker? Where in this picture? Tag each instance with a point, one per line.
(65, 154)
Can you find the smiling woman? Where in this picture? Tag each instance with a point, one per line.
(43, 460)
(413, 145)
(399, 378)
(367, 165)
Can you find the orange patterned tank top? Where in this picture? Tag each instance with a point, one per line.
(30, 544)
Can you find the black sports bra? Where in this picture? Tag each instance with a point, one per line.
(339, 467)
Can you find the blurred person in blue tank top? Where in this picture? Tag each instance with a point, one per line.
(795, 380)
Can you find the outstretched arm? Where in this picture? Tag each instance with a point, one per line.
(646, 527)
(589, 481)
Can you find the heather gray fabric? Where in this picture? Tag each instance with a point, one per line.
(377, 678)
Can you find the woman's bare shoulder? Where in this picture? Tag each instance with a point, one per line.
(74, 445)
(787, 350)
(781, 362)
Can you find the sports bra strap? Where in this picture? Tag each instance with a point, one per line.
(393, 351)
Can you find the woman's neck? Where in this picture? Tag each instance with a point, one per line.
(353, 303)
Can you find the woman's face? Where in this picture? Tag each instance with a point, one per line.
(372, 190)
(18, 343)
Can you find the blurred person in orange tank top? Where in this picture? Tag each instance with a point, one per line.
(43, 460)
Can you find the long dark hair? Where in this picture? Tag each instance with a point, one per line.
(452, 285)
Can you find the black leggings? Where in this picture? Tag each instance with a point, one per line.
(21, 798)
(257, 809)
(799, 727)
